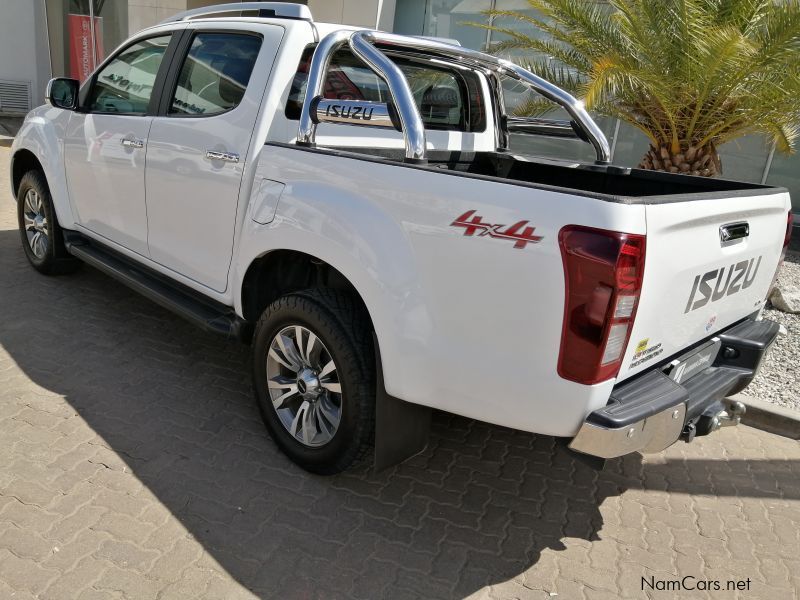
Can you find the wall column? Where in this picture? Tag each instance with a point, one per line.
(359, 13)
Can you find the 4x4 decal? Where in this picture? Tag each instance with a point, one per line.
(519, 232)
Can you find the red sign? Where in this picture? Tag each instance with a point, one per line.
(519, 232)
(82, 52)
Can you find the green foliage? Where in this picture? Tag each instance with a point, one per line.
(685, 72)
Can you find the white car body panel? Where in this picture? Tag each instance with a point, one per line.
(683, 242)
(106, 179)
(176, 154)
(42, 134)
(436, 297)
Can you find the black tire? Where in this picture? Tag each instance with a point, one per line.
(53, 258)
(341, 325)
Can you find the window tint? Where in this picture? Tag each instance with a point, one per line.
(447, 99)
(214, 76)
(125, 84)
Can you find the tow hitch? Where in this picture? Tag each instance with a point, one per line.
(732, 415)
(725, 413)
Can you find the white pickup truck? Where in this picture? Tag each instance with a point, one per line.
(346, 202)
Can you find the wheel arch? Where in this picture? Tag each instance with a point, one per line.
(401, 428)
(21, 162)
(39, 145)
(280, 272)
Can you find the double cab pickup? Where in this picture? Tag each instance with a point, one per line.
(347, 202)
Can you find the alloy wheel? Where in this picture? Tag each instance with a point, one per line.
(304, 386)
(36, 227)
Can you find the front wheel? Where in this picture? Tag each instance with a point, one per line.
(42, 238)
(314, 378)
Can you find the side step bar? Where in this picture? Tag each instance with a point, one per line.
(183, 301)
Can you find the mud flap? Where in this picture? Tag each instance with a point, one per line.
(401, 428)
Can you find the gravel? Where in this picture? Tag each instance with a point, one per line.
(779, 379)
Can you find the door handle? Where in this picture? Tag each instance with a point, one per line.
(132, 143)
(734, 231)
(225, 156)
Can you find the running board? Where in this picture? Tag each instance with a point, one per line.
(191, 305)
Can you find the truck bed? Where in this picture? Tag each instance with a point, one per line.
(405, 223)
(604, 182)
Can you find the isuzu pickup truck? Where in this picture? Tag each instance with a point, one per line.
(345, 200)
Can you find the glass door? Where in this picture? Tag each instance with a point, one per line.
(82, 33)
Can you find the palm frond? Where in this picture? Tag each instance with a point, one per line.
(685, 72)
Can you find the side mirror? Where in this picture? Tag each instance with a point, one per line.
(62, 92)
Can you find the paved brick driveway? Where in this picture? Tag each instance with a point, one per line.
(133, 465)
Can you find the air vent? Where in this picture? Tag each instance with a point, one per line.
(15, 96)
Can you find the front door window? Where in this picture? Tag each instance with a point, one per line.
(125, 85)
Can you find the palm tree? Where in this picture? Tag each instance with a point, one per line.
(690, 74)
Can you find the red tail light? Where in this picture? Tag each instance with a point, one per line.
(786, 239)
(603, 272)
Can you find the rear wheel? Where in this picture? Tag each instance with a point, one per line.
(314, 378)
(42, 238)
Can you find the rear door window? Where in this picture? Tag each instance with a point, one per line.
(215, 74)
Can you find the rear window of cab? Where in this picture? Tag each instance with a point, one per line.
(448, 99)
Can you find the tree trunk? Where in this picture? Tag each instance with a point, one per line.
(703, 160)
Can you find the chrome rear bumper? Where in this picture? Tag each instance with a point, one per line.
(653, 411)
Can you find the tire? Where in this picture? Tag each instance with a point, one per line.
(343, 336)
(41, 235)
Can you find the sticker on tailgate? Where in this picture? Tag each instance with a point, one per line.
(715, 285)
(645, 353)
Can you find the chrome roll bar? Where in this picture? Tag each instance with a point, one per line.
(363, 44)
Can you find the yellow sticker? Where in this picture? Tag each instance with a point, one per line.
(642, 346)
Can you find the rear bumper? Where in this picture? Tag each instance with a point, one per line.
(652, 411)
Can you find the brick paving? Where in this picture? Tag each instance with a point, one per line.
(133, 464)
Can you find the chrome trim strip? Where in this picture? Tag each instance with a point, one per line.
(223, 156)
(132, 143)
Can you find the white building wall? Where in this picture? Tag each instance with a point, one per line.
(361, 13)
(24, 54)
(25, 50)
(146, 13)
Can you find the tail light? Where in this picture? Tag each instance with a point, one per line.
(786, 239)
(603, 272)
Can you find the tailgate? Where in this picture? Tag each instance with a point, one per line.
(694, 282)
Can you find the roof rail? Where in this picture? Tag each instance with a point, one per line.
(280, 10)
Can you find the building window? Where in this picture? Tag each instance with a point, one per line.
(443, 19)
